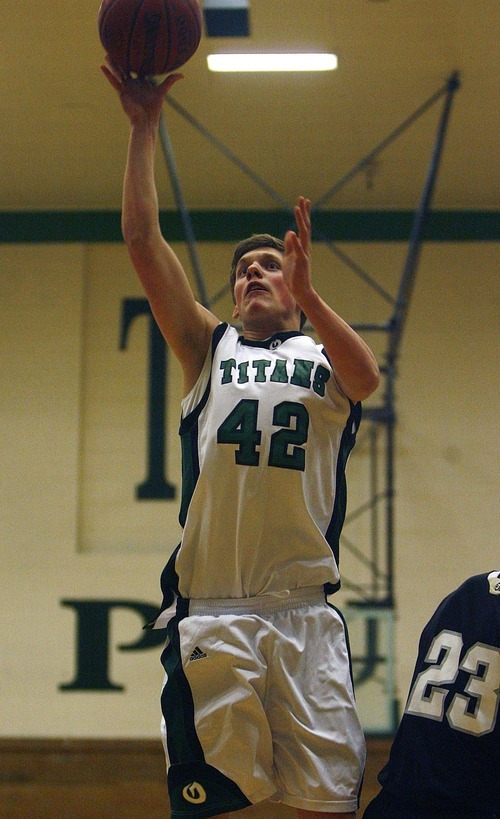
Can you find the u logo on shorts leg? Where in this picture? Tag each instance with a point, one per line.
(194, 793)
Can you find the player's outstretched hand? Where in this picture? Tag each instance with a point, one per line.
(140, 98)
(297, 256)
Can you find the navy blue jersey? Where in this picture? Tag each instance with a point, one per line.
(445, 759)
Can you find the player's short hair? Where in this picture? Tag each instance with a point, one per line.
(245, 246)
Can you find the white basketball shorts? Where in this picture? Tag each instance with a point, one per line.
(258, 703)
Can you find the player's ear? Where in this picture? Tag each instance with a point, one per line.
(236, 312)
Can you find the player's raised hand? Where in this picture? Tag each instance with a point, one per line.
(297, 255)
(140, 98)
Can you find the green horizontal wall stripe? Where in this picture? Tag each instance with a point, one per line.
(232, 225)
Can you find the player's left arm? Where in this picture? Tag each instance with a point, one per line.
(355, 366)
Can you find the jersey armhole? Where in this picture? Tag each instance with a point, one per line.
(196, 394)
(338, 388)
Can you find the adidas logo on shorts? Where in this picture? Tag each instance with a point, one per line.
(197, 654)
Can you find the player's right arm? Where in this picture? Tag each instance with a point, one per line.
(186, 325)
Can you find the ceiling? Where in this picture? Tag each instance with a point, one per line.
(63, 137)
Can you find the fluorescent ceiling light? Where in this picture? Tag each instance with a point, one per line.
(272, 62)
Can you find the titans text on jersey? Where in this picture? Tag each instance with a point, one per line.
(303, 373)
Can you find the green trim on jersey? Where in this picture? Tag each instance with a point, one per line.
(332, 535)
(188, 432)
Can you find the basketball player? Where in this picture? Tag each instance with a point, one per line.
(444, 762)
(258, 700)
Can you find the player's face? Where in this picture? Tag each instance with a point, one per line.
(263, 301)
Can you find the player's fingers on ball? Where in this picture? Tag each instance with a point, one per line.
(109, 62)
(108, 72)
(113, 69)
(114, 81)
(169, 81)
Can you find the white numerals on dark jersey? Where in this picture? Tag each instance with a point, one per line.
(474, 702)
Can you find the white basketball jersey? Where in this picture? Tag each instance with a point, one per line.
(265, 435)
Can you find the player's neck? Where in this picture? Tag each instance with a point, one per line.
(261, 332)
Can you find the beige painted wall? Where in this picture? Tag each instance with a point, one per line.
(72, 437)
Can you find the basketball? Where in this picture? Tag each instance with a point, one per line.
(149, 37)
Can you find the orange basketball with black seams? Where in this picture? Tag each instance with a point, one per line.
(149, 37)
